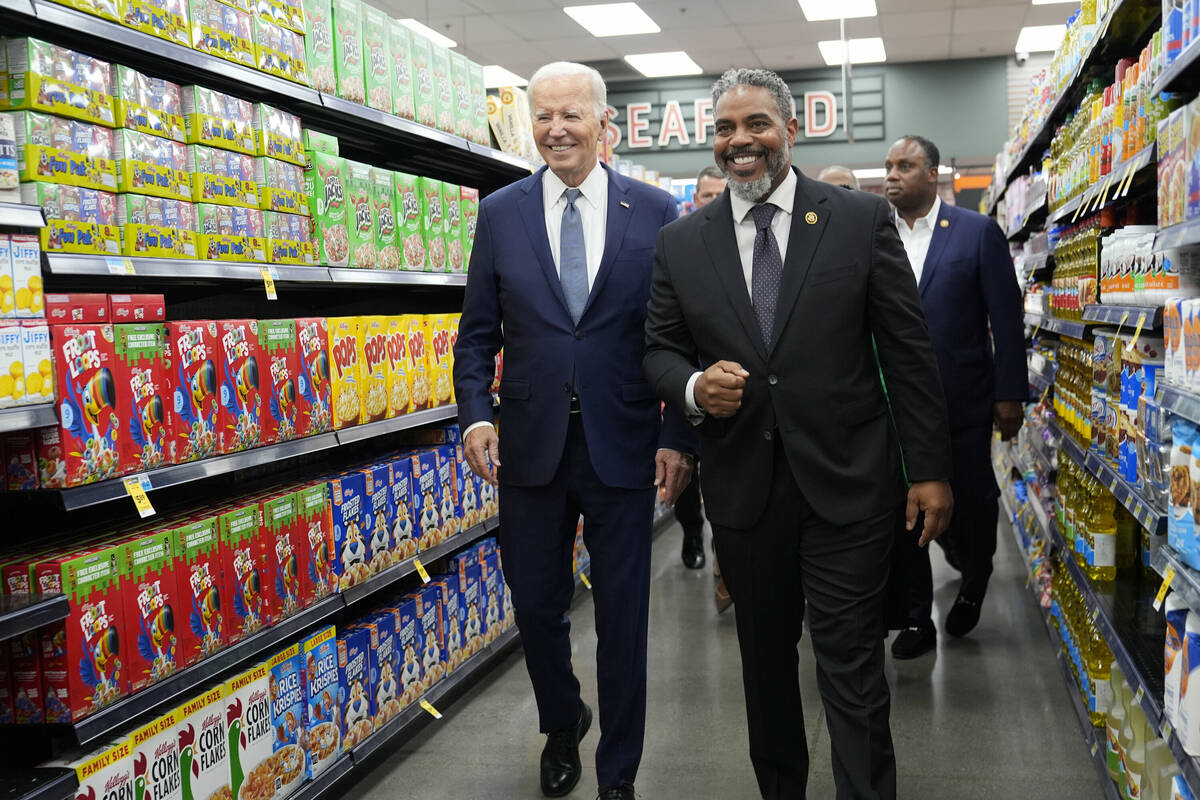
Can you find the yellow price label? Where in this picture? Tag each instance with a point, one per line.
(127, 263)
(269, 283)
(136, 487)
(1166, 729)
(1095, 749)
(433, 712)
(421, 570)
(1124, 319)
(120, 266)
(1138, 331)
(1127, 178)
(1165, 587)
(1104, 193)
(584, 580)
(1036, 328)
(1137, 697)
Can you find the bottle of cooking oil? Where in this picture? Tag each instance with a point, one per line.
(1115, 722)
(1129, 535)
(1104, 533)
(1099, 659)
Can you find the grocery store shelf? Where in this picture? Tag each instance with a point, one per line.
(21, 418)
(1183, 74)
(377, 276)
(1069, 327)
(1036, 262)
(325, 781)
(1033, 218)
(1181, 235)
(43, 783)
(1125, 315)
(1186, 582)
(1179, 401)
(1039, 381)
(501, 157)
(356, 433)
(1111, 188)
(1142, 510)
(367, 116)
(23, 612)
(19, 215)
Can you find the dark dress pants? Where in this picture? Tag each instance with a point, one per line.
(687, 507)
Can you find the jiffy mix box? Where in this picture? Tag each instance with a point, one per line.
(351, 553)
(194, 387)
(345, 372)
(278, 344)
(240, 412)
(314, 522)
(380, 513)
(141, 369)
(152, 602)
(285, 677)
(323, 736)
(85, 363)
(312, 376)
(383, 689)
(251, 736)
(404, 541)
(202, 583)
(204, 745)
(354, 704)
(248, 565)
(155, 754)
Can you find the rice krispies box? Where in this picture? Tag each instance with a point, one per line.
(251, 736)
(204, 745)
(325, 182)
(348, 49)
(248, 563)
(410, 237)
(152, 601)
(398, 381)
(288, 551)
(383, 202)
(345, 371)
(432, 633)
(314, 521)
(377, 58)
(420, 380)
(380, 514)
(351, 552)
(277, 343)
(427, 499)
(194, 384)
(361, 216)
(85, 367)
(354, 703)
(155, 755)
(382, 658)
(400, 42)
(432, 223)
(438, 330)
(318, 45)
(373, 360)
(285, 674)
(240, 412)
(34, 82)
(64, 151)
(323, 735)
(312, 376)
(84, 657)
(424, 85)
(202, 581)
(448, 591)
(404, 542)
(469, 207)
(141, 369)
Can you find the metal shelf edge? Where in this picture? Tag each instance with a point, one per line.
(21, 418)
(51, 608)
(20, 215)
(58, 788)
(1112, 315)
(416, 419)
(1179, 401)
(400, 278)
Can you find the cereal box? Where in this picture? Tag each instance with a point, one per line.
(448, 485)
(473, 609)
(410, 235)
(318, 45)
(20, 461)
(152, 226)
(166, 19)
(443, 88)
(63, 308)
(361, 215)
(194, 382)
(354, 704)
(278, 134)
(52, 466)
(323, 733)
(346, 375)
(221, 177)
(201, 579)
(142, 370)
(419, 373)
(27, 276)
(287, 13)
(34, 68)
(281, 186)
(25, 662)
(469, 209)
(219, 120)
(351, 552)
(314, 521)
(441, 358)
(277, 342)
(64, 151)
(431, 633)
(12, 379)
(425, 84)
(382, 658)
(448, 597)
(380, 514)
(151, 592)
(149, 105)
(325, 183)
(240, 413)
(136, 307)
(84, 657)
(248, 565)
(348, 49)
(8, 300)
(452, 227)
(279, 519)
(494, 590)
(409, 651)
(251, 734)
(279, 51)
(156, 759)
(205, 745)
(400, 43)
(89, 398)
(77, 220)
(396, 343)
(104, 772)
(481, 132)
(222, 31)
(373, 358)
(432, 223)
(404, 543)
(427, 499)
(377, 58)
(312, 376)
(151, 165)
(288, 719)
(9, 179)
(289, 239)
(461, 100)
(383, 203)
(7, 716)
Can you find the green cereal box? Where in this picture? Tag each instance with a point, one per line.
(469, 206)
(452, 226)
(348, 49)
(409, 235)
(432, 223)
(325, 184)
(360, 215)
(425, 89)
(377, 58)
(319, 143)
(383, 203)
(403, 104)
(318, 45)
(481, 134)
(46, 77)
(460, 88)
(443, 88)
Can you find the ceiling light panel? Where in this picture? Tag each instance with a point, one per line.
(495, 76)
(664, 65)
(613, 19)
(817, 10)
(1040, 38)
(862, 51)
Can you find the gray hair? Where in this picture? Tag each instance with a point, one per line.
(710, 172)
(838, 168)
(762, 78)
(569, 69)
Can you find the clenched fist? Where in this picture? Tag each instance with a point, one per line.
(718, 390)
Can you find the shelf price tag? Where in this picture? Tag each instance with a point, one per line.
(1138, 331)
(433, 712)
(1127, 178)
(1166, 730)
(1168, 576)
(1137, 697)
(136, 487)
(119, 266)
(1095, 749)
(1104, 193)
(269, 283)
(421, 570)
(1124, 319)
(584, 580)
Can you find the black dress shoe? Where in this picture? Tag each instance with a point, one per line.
(914, 641)
(560, 768)
(693, 550)
(964, 616)
(622, 792)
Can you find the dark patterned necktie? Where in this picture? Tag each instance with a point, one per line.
(766, 272)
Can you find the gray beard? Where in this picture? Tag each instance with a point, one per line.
(757, 191)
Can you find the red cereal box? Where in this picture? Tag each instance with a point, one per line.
(277, 341)
(141, 368)
(136, 308)
(20, 461)
(312, 376)
(90, 396)
(25, 662)
(314, 522)
(52, 466)
(82, 308)
(6, 689)
(248, 562)
(291, 586)
(202, 586)
(152, 600)
(194, 382)
(239, 414)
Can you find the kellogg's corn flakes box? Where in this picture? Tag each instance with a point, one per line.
(152, 601)
(202, 582)
(194, 382)
(380, 515)
(354, 704)
(432, 223)
(204, 745)
(382, 687)
(240, 412)
(398, 382)
(419, 373)
(142, 367)
(438, 329)
(373, 358)
(288, 719)
(346, 370)
(314, 522)
(312, 376)
(251, 735)
(248, 563)
(323, 737)
(318, 45)
(106, 771)
(277, 342)
(400, 42)
(351, 552)
(84, 363)
(404, 542)
(156, 774)
(348, 50)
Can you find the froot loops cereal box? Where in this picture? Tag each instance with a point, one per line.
(194, 383)
(240, 411)
(351, 551)
(346, 371)
(205, 746)
(373, 370)
(285, 679)
(251, 735)
(142, 369)
(152, 604)
(279, 520)
(354, 704)
(312, 376)
(248, 564)
(85, 363)
(202, 582)
(25, 662)
(323, 737)
(277, 342)
(314, 521)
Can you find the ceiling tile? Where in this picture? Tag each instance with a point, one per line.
(915, 24)
(917, 48)
(1047, 15)
(978, 45)
(714, 62)
(479, 29)
(784, 34)
(761, 11)
(538, 25)
(586, 49)
(685, 14)
(978, 20)
(785, 58)
(509, 6)
(906, 6)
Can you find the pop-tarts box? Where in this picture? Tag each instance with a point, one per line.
(382, 688)
(427, 499)
(351, 553)
(448, 485)
(404, 541)
(409, 647)
(494, 590)
(429, 623)
(354, 704)
(379, 515)
(472, 608)
(285, 672)
(451, 642)
(323, 733)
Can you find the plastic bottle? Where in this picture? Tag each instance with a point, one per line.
(1161, 770)
(1116, 722)
(1103, 534)
(1189, 697)
(1135, 756)
(1176, 612)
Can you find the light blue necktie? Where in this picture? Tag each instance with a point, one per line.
(572, 257)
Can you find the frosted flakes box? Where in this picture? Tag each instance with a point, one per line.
(410, 235)
(425, 84)
(279, 519)
(84, 366)
(194, 383)
(204, 746)
(277, 343)
(240, 412)
(288, 719)
(46, 77)
(400, 43)
(142, 369)
(383, 689)
(323, 736)
(151, 165)
(451, 642)
(52, 465)
(443, 88)
(494, 590)
(314, 523)
(248, 565)
(222, 177)
(404, 542)
(348, 49)
(319, 45)
(106, 772)
(469, 208)
(377, 58)
(78, 220)
(409, 651)
(396, 343)
(281, 186)
(427, 500)
(155, 755)
(166, 19)
(147, 104)
(380, 513)
(431, 631)
(312, 376)
(373, 358)
(452, 227)
(448, 486)
(361, 215)
(151, 601)
(56, 150)
(247, 704)
(383, 204)
(438, 328)
(219, 120)
(461, 101)
(222, 31)
(432, 223)
(279, 51)
(470, 507)
(346, 371)
(202, 581)
(351, 553)
(473, 609)
(419, 374)
(157, 227)
(354, 704)
(25, 661)
(325, 182)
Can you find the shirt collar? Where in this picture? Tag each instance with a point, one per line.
(930, 218)
(783, 197)
(590, 189)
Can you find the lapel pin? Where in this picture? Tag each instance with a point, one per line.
(624, 204)
(944, 223)
(811, 218)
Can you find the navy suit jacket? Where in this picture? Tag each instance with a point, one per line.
(968, 282)
(514, 299)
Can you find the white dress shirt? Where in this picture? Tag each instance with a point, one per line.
(916, 239)
(593, 213)
(744, 230)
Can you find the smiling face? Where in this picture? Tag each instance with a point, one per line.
(752, 144)
(567, 125)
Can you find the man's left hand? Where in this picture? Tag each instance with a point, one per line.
(937, 501)
(1009, 417)
(672, 473)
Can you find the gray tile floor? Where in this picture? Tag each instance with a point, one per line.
(986, 717)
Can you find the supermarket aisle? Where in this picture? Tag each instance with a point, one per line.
(989, 717)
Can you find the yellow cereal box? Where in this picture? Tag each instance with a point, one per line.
(344, 359)
(420, 387)
(372, 338)
(398, 381)
(12, 368)
(441, 376)
(35, 354)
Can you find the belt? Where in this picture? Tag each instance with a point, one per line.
(575, 407)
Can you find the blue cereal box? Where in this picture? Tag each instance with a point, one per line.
(429, 624)
(323, 736)
(384, 689)
(448, 487)
(494, 591)
(408, 652)
(379, 515)
(472, 602)
(404, 542)
(427, 499)
(451, 643)
(288, 705)
(351, 554)
(354, 705)
(469, 512)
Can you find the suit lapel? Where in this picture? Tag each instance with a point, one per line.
(937, 243)
(533, 214)
(721, 245)
(621, 207)
(803, 239)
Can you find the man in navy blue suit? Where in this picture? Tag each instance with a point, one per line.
(560, 277)
(965, 277)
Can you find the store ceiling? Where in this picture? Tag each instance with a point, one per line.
(521, 35)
